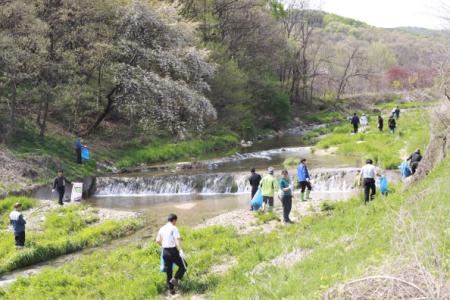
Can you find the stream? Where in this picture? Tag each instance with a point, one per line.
(197, 195)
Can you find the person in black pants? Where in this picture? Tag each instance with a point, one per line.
(18, 223)
(59, 184)
(380, 123)
(368, 173)
(170, 240)
(286, 196)
(78, 148)
(255, 180)
(355, 122)
(415, 159)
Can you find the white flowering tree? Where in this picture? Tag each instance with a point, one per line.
(159, 76)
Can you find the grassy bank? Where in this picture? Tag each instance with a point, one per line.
(64, 230)
(385, 149)
(163, 151)
(56, 150)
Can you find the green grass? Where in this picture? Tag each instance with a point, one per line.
(59, 147)
(324, 116)
(65, 230)
(263, 218)
(412, 132)
(403, 105)
(162, 151)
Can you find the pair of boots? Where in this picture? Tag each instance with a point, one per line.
(308, 192)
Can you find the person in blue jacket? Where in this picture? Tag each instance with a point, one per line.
(78, 147)
(18, 224)
(304, 180)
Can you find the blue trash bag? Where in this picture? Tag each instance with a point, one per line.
(257, 200)
(162, 267)
(383, 185)
(405, 169)
(85, 155)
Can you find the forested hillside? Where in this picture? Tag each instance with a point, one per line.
(167, 68)
(127, 75)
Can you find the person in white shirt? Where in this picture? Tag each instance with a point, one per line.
(368, 173)
(364, 122)
(170, 240)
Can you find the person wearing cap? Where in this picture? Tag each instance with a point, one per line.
(286, 196)
(368, 173)
(255, 180)
(268, 187)
(304, 180)
(170, 240)
(414, 159)
(18, 224)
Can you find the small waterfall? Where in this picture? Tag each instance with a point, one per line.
(323, 180)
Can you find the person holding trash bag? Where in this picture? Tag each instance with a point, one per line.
(170, 240)
(414, 159)
(368, 173)
(59, 185)
(255, 180)
(78, 148)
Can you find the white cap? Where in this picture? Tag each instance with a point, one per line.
(270, 170)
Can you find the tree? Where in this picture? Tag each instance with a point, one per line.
(21, 46)
(159, 75)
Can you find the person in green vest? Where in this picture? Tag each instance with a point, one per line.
(268, 186)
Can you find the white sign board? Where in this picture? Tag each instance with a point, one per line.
(77, 192)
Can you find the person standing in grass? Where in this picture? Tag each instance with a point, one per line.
(368, 173)
(397, 112)
(304, 180)
(392, 124)
(364, 122)
(170, 240)
(355, 122)
(414, 159)
(59, 185)
(286, 196)
(78, 147)
(18, 224)
(255, 180)
(268, 187)
(380, 123)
